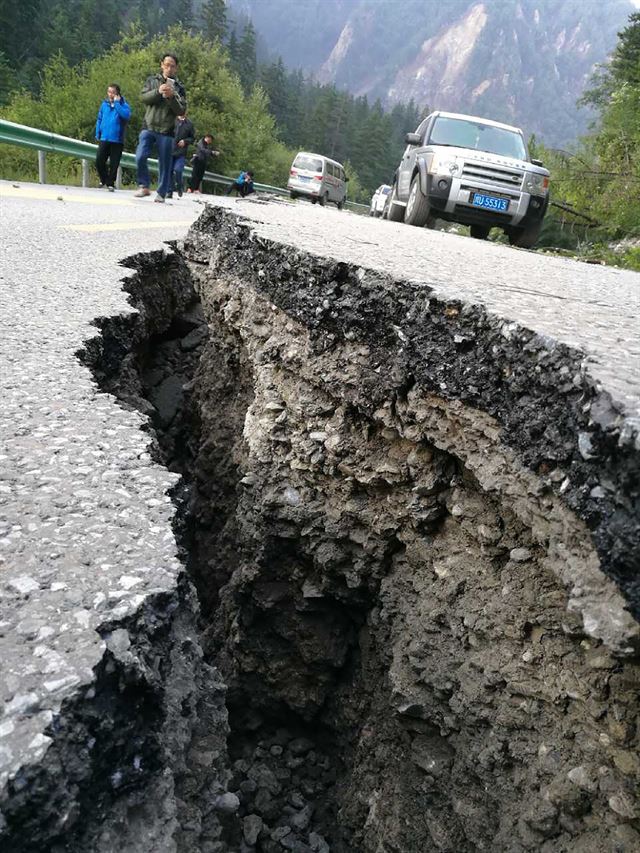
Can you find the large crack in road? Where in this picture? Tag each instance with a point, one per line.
(415, 578)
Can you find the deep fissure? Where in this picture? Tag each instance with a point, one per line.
(351, 578)
(268, 741)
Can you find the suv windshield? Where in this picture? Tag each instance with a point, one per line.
(310, 163)
(463, 133)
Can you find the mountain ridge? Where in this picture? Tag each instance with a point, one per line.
(525, 62)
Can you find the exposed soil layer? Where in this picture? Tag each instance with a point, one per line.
(408, 571)
(411, 527)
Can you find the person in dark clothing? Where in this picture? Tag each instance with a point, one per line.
(113, 115)
(183, 137)
(242, 185)
(199, 162)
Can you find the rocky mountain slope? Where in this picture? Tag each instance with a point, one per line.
(521, 61)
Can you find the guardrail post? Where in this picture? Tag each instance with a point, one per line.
(85, 173)
(119, 178)
(42, 167)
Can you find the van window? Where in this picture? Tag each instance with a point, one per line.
(312, 164)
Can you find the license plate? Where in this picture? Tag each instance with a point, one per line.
(489, 202)
(304, 178)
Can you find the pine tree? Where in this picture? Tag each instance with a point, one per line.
(294, 118)
(338, 133)
(273, 79)
(214, 19)
(232, 49)
(245, 63)
(20, 30)
(625, 64)
(183, 13)
(623, 68)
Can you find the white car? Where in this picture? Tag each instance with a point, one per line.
(378, 200)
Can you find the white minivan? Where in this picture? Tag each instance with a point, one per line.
(318, 178)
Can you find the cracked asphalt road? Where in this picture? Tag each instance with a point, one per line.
(85, 522)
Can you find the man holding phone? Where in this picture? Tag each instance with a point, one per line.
(165, 98)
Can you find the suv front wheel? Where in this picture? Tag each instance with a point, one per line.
(417, 211)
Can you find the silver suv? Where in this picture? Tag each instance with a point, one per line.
(473, 171)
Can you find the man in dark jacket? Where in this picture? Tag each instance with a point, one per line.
(165, 99)
(183, 137)
(199, 161)
(113, 115)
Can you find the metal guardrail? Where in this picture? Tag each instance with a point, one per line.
(44, 141)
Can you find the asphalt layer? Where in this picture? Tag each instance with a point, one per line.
(84, 517)
(592, 308)
(85, 521)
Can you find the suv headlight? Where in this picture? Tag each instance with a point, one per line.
(536, 184)
(443, 165)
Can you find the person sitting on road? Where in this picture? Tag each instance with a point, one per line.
(242, 185)
(111, 124)
(204, 152)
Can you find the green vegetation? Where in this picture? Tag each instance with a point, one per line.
(69, 97)
(601, 178)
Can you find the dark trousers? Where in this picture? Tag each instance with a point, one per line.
(243, 189)
(198, 169)
(111, 151)
(178, 169)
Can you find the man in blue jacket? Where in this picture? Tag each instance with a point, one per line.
(113, 115)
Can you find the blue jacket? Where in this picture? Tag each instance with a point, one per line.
(112, 120)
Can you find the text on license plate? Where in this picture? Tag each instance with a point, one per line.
(304, 178)
(489, 202)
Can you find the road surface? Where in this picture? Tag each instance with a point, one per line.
(85, 522)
